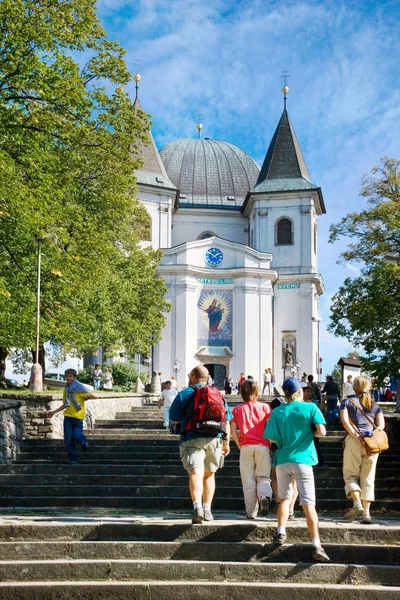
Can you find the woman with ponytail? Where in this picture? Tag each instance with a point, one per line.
(358, 467)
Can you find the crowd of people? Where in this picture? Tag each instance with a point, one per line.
(278, 442)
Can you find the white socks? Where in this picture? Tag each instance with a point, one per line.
(206, 506)
(316, 542)
(281, 530)
(197, 505)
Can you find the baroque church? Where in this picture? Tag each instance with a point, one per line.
(240, 255)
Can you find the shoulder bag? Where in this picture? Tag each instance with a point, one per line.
(379, 441)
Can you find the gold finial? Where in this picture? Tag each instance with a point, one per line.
(285, 90)
(137, 78)
(199, 128)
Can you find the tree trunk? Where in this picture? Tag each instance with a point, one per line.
(42, 360)
(3, 356)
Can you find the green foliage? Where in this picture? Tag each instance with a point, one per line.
(68, 152)
(337, 375)
(366, 310)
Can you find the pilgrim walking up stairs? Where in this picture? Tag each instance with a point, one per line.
(118, 526)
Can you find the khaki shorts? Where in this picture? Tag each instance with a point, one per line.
(202, 452)
(304, 477)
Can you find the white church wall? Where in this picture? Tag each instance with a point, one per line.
(294, 307)
(159, 206)
(298, 257)
(189, 224)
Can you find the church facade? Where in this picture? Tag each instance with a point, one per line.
(240, 256)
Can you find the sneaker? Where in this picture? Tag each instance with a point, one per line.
(198, 516)
(264, 506)
(320, 555)
(353, 513)
(291, 516)
(85, 447)
(279, 539)
(208, 515)
(366, 518)
(250, 517)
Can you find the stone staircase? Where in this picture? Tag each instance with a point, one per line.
(117, 526)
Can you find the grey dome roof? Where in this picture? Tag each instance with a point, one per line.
(209, 173)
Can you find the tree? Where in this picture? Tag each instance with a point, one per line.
(366, 309)
(69, 139)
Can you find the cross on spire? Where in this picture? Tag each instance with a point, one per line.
(285, 76)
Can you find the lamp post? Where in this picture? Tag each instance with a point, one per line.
(317, 320)
(36, 383)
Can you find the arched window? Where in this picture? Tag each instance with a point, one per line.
(146, 228)
(205, 235)
(284, 232)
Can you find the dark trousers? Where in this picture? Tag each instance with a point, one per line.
(317, 448)
(73, 434)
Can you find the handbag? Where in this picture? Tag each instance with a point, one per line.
(376, 443)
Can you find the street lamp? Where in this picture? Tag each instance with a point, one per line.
(37, 372)
(317, 320)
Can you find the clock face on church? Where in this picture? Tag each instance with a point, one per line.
(214, 257)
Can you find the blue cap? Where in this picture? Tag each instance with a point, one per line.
(291, 385)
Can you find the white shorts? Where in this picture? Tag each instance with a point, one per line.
(304, 476)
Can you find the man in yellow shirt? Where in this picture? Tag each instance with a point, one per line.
(74, 398)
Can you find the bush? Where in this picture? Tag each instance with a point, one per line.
(124, 375)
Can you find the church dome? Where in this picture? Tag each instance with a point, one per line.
(209, 173)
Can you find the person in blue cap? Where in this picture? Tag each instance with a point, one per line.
(292, 426)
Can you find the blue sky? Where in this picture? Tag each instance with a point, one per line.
(227, 57)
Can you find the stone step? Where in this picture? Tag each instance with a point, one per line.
(221, 502)
(162, 491)
(171, 441)
(198, 590)
(244, 552)
(156, 432)
(161, 448)
(104, 468)
(179, 529)
(92, 478)
(190, 569)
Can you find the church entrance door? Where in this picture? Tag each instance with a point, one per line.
(218, 374)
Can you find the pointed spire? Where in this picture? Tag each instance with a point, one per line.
(153, 171)
(136, 104)
(284, 167)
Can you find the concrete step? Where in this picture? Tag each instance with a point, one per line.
(244, 552)
(162, 491)
(53, 498)
(188, 569)
(154, 469)
(139, 479)
(173, 528)
(182, 590)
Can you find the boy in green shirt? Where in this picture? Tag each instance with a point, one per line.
(290, 426)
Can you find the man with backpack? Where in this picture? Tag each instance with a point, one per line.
(205, 432)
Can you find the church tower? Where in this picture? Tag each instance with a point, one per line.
(283, 208)
(156, 191)
(284, 204)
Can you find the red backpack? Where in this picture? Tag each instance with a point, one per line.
(209, 412)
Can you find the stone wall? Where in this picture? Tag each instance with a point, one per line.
(30, 421)
(11, 430)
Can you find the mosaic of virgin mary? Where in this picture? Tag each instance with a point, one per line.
(215, 318)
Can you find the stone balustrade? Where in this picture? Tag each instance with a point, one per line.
(11, 430)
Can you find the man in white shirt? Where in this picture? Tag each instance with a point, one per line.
(348, 387)
(167, 397)
(267, 381)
